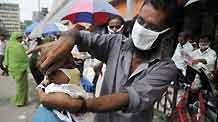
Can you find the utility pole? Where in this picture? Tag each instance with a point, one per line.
(39, 5)
(130, 8)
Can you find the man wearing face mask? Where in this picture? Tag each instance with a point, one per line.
(204, 54)
(139, 69)
(203, 57)
(201, 67)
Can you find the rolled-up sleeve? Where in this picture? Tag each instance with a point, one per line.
(143, 93)
(98, 45)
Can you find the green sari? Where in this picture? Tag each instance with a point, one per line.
(16, 61)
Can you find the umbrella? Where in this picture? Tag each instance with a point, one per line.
(59, 10)
(30, 28)
(53, 28)
(91, 11)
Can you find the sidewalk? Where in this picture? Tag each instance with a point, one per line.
(8, 111)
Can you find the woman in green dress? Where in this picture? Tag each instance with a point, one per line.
(16, 62)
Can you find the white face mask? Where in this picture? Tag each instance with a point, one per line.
(115, 32)
(143, 38)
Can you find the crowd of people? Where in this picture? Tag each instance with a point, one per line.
(118, 70)
(190, 57)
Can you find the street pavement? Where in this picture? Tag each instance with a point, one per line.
(8, 111)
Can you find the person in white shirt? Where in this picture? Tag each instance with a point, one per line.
(29, 43)
(2, 52)
(204, 54)
(183, 51)
(204, 57)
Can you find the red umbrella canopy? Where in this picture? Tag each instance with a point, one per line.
(95, 12)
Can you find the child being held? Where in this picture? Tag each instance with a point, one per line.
(62, 81)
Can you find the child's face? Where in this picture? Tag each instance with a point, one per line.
(59, 77)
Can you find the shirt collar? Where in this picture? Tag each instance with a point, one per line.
(206, 51)
(151, 55)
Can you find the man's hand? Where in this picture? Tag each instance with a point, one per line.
(54, 54)
(196, 61)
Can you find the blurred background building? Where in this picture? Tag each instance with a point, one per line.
(39, 15)
(10, 16)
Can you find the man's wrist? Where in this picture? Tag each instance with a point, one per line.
(70, 35)
(83, 108)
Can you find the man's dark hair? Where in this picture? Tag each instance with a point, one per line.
(116, 17)
(170, 7)
(203, 36)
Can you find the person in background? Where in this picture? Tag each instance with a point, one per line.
(85, 63)
(205, 58)
(2, 53)
(16, 61)
(115, 25)
(200, 69)
(182, 52)
(29, 43)
(139, 70)
(37, 74)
